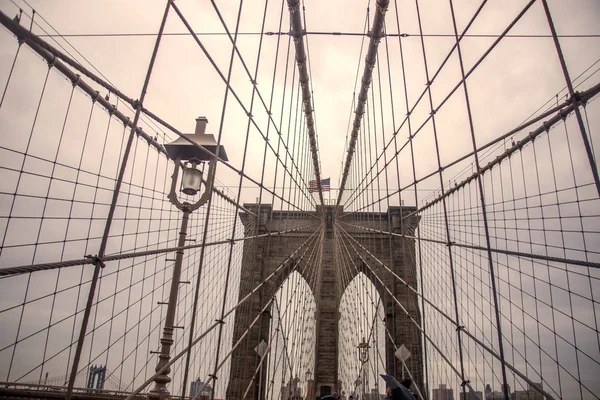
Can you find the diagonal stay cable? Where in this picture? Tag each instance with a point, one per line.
(242, 301)
(441, 312)
(255, 86)
(410, 110)
(53, 57)
(535, 256)
(312, 265)
(459, 84)
(531, 136)
(376, 34)
(220, 364)
(233, 92)
(121, 256)
(561, 111)
(374, 319)
(398, 302)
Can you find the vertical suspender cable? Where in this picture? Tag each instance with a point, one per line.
(297, 32)
(375, 34)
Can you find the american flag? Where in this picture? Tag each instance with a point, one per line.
(312, 185)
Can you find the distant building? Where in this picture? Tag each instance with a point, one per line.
(195, 387)
(471, 396)
(488, 391)
(490, 395)
(443, 393)
(530, 394)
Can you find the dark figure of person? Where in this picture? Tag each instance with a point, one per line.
(406, 382)
(396, 391)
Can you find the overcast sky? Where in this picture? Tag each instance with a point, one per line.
(507, 88)
(521, 75)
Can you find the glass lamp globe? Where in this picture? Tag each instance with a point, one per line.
(191, 180)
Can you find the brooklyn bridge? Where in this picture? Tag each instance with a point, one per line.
(287, 199)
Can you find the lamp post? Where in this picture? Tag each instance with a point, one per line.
(363, 357)
(191, 183)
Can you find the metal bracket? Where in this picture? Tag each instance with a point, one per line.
(97, 261)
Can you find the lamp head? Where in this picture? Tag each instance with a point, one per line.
(363, 349)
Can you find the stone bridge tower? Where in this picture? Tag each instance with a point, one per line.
(262, 256)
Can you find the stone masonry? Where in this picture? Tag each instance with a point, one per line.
(262, 256)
